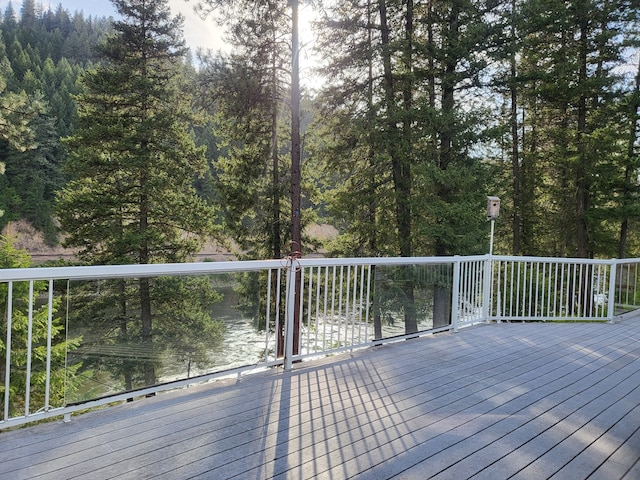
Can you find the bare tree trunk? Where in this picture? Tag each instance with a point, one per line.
(441, 306)
(515, 140)
(630, 167)
(147, 338)
(275, 177)
(401, 170)
(583, 199)
(296, 233)
(144, 290)
(440, 300)
(122, 293)
(373, 243)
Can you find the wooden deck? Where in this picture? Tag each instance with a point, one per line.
(527, 401)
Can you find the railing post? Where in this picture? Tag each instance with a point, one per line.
(292, 267)
(47, 389)
(611, 298)
(7, 371)
(455, 294)
(486, 288)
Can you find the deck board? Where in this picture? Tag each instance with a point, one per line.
(553, 400)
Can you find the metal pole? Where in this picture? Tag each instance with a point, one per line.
(290, 314)
(493, 223)
(611, 295)
(488, 279)
(455, 300)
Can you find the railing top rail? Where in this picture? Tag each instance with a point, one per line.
(123, 271)
(623, 261)
(592, 261)
(307, 262)
(324, 262)
(199, 268)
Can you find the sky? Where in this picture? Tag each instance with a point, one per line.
(197, 32)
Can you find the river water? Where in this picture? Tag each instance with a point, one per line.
(242, 345)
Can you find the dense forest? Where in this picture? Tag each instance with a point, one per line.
(423, 109)
(42, 56)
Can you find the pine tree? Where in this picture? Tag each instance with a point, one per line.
(16, 109)
(572, 133)
(395, 100)
(248, 93)
(134, 160)
(249, 86)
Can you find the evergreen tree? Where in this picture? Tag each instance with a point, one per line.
(628, 188)
(16, 109)
(134, 160)
(253, 109)
(42, 83)
(573, 136)
(395, 97)
(249, 92)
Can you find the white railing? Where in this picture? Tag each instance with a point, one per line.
(69, 341)
(527, 288)
(349, 303)
(624, 290)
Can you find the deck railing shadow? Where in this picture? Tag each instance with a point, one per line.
(66, 345)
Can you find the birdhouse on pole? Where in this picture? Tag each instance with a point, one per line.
(493, 208)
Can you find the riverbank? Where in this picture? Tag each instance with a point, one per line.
(27, 238)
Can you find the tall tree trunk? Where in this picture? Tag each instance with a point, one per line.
(629, 185)
(445, 154)
(400, 163)
(146, 333)
(275, 178)
(403, 181)
(584, 237)
(124, 333)
(373, 243)
(402, 174)
(583, 172)
(296, 228)
(431, 74)
(515, 140)
(144, 288)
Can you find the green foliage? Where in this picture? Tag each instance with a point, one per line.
(246, 90)
(63, 381)
(539, 93)
(114, 355)
(396, 147)
(132, 199)
(562, 66)
(409, 124)
(36, 106)
(17, 111)
(133, 162)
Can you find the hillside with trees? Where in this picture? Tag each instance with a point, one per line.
(424, 110)
(42, 55)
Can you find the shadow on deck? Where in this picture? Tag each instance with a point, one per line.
(498, 401)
